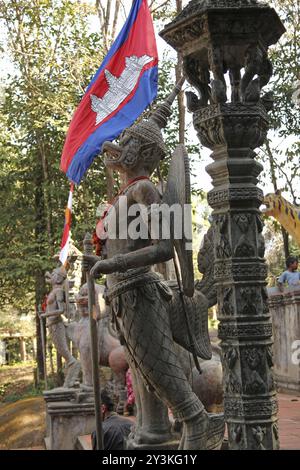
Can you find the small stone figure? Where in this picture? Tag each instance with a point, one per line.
(56, 307)
(111, 353)
(80, 335)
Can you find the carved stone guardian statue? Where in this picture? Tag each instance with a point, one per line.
(141, 299)
(56, 307)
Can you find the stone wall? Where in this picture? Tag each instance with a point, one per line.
(285, 310)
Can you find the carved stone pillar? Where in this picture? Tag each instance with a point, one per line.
(225, 42)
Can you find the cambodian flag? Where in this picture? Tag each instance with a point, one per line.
(124, 85)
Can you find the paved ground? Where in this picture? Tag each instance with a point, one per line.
(289, 421)
(289, 424)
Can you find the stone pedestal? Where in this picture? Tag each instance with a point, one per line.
(285, 310)
(169, 445)
(56, 395)
(70, 414)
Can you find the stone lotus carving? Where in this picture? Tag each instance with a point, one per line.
(241, 125)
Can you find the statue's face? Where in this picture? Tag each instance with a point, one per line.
(55, 277)
(123, 156)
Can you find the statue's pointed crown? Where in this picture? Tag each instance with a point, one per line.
(150, 130)
(163, 112)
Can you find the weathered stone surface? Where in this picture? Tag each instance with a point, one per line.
(68, 420)
(285, 311)
(111, 352)
(57, 305)
(225, 20)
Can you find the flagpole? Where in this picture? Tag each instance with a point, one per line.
(65, 242)
(88, 250)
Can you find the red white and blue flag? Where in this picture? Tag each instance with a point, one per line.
(124, 85)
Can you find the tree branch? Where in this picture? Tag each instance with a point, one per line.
(116, 16)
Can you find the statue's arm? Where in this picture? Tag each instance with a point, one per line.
(156, 253)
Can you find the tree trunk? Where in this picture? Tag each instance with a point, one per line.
(40, 240)
(285, 235)
(23, 349)
(34, 348)
(39, 346)
(116, 16)
(286, 245)
(46, 194)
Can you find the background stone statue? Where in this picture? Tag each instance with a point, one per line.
(56, 307)
(111, 352)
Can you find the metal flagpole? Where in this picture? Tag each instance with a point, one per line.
(88, 250)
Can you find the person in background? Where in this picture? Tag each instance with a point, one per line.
(291, 276)
(130, 403)
(115, 427)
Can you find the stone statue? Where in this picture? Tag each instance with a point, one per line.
(56, 307)
(139, 297)
(111, 352)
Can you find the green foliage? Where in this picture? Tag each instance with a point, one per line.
(28, 391)
(212, 323)
(281, 154)
(285, 57)
(11, 322)
(53, 55)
